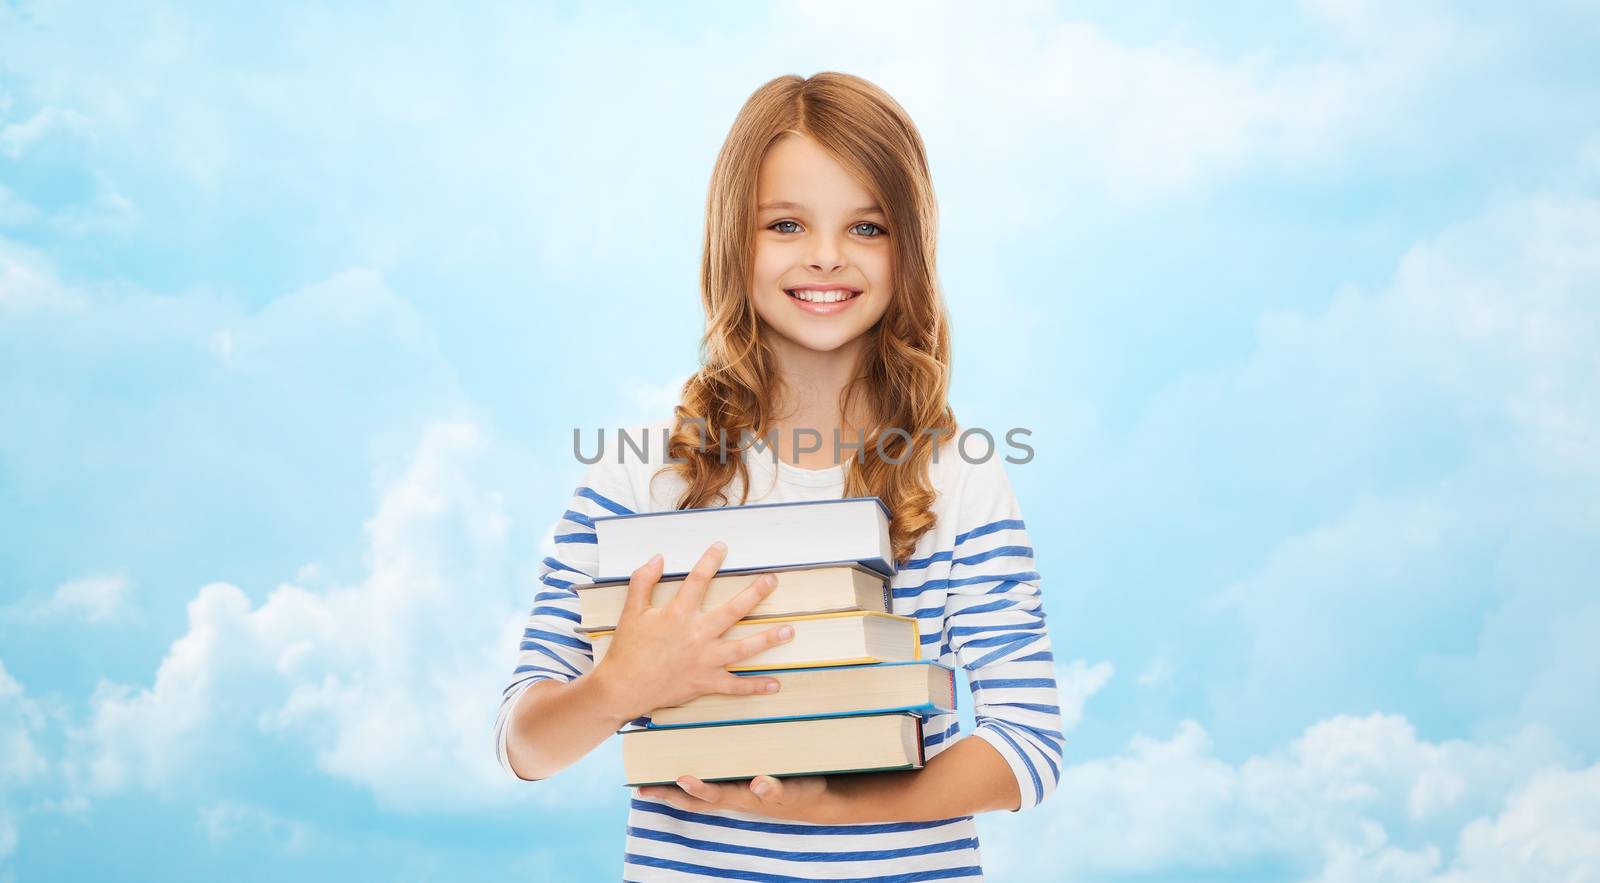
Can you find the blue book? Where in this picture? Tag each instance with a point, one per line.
(923, 688)
(760, 537)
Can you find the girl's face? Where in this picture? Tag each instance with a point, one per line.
(818, 230)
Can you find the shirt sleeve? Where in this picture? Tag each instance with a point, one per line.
(551, 647)
(994, 622)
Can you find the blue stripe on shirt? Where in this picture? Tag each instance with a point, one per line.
(786, 828)
(996, 552)
(733, 874)
(862, 855)
(609, 505)
(991, 527)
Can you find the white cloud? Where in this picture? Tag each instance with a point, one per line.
(1417, 470)
(17, 138)
(28, 283)
(107, 212)
(1549, 830)
(227, 821)
(1099, 113)
(1075, 683)
(1140, 122)
(391, 683)
(1159, 672)
(93, 599)
(1350, 792)
(22, 763)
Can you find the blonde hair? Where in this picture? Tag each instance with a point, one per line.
(905, 365)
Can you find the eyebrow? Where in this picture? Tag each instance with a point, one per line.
(795, 206)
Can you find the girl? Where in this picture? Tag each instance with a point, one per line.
(824, 323)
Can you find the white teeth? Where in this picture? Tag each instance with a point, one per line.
(823, 297)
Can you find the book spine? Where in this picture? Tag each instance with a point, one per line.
(821, 663)
(934, 662)
(925, 710)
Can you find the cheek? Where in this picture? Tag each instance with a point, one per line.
(879, 268)
(878, 309)
(768, 265)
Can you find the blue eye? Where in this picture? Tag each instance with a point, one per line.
(877, 228)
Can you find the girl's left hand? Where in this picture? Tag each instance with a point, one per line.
(795, 798)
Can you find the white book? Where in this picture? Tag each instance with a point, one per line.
(826, 589)
(815, 746)
(843, 638)
(760, 537)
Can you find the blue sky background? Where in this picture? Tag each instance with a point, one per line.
(299, 306)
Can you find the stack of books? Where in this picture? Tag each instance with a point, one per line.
(854, 689)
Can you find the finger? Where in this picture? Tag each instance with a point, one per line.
(672, 795)
(640, 584)
(744, 648)
(669, 794)
(734, 685)
(707, 791)
(693, 591)
(768, 788)
(740, 605)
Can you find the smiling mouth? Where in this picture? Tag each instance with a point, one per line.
(822, 297)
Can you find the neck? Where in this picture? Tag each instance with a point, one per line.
(809, 399)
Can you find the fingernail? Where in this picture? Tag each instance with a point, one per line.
(786, 632)
(655, 560)
(771, 687)
(769, 580)
(761, 789)
(720, 546)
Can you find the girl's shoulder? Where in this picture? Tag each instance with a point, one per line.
(972, 485)
(973, 466)
(632, 460)
(620, 461)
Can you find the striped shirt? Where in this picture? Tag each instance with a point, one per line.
(970, 584)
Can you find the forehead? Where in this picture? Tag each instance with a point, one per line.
(800, 175)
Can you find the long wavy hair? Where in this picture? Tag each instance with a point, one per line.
(904, 370)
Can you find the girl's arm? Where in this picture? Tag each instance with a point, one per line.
(660, 656)
(554, 725)
(551, 649)
(995, 624)
(967, 778)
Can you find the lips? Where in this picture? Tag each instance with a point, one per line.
(822, 295)
(825, 302)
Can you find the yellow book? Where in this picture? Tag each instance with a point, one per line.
(846, 638)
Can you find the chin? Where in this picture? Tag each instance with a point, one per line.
(824, 346)
(817, 343)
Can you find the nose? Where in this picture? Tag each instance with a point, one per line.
(826, 256)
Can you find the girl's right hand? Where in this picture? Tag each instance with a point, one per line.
(668, 655)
